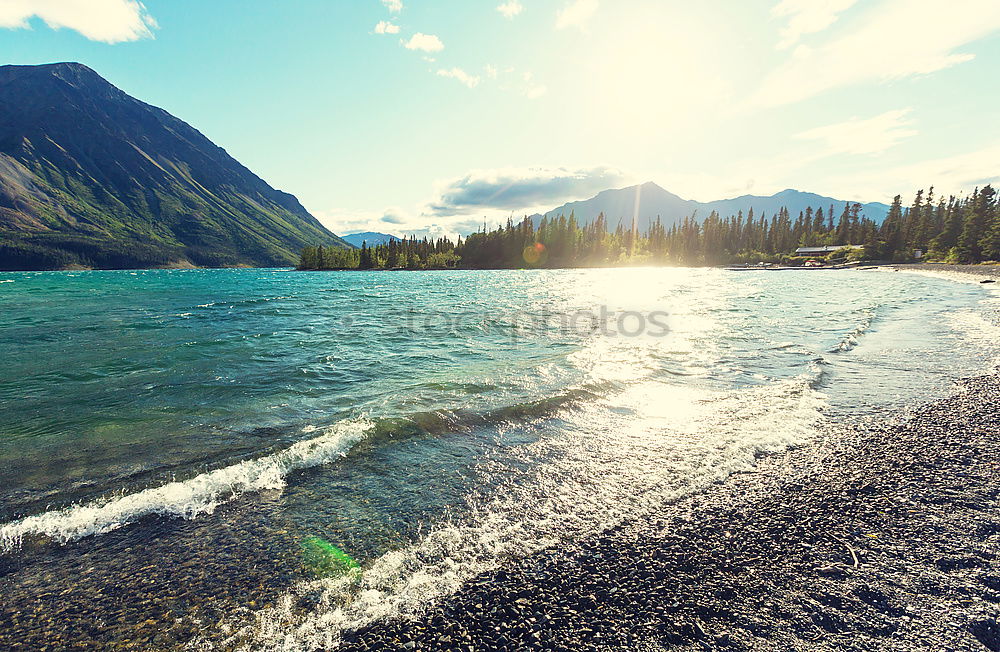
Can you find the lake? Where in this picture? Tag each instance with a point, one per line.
(174, 443)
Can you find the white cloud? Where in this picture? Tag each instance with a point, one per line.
(457, 73)
(452, 229)
(343, 222)
(513, 81)
(957, 174)
(532, 90)
(424, 43)
(576, 13)
(395, 6)
(396, 221)
(536, 91)
(512, 189)
(510, 8)
(394, 215)
(110, 21)
(864, 136)
(385, 27)
(892, 42)
(807, 17)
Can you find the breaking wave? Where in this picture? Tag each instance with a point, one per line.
(578, 486)
(850, 340)
(188, 498)
(201, 494)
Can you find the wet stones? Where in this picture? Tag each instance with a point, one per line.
(882, 538)
(987, 632)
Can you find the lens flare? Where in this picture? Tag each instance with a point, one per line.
(533, 253)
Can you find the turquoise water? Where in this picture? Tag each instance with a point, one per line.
(431, 424)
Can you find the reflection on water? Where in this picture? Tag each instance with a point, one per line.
(185, 432)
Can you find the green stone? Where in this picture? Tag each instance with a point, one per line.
(325, 559)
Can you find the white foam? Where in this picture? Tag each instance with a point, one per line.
(979, 327)
(968, 277)
(981, 330)
(608, 468)
(850, 340)
(189, 498)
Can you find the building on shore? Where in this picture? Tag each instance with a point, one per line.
(822, 251)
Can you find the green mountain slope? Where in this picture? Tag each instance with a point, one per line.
(91, 176)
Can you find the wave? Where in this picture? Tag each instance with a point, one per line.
(189, 498)
(850, 340)
(982, 329)
(608, 471)
(440, 422)
(243, 302)
(203, 493)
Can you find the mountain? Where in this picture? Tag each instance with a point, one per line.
(91, 176)
(649, 200)
(795, 201)
(370, 237)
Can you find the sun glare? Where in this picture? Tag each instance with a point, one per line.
(650, 76)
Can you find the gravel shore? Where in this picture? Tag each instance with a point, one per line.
(883, 537)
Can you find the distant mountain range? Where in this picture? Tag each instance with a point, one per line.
(91, 176)
(648, 201)
(372, 238)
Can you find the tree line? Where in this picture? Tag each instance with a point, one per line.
(407, 253)
(953, 230)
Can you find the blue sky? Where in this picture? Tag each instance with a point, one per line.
(421, 116)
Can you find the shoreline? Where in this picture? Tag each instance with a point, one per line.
(980, 272)
(881, 536)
